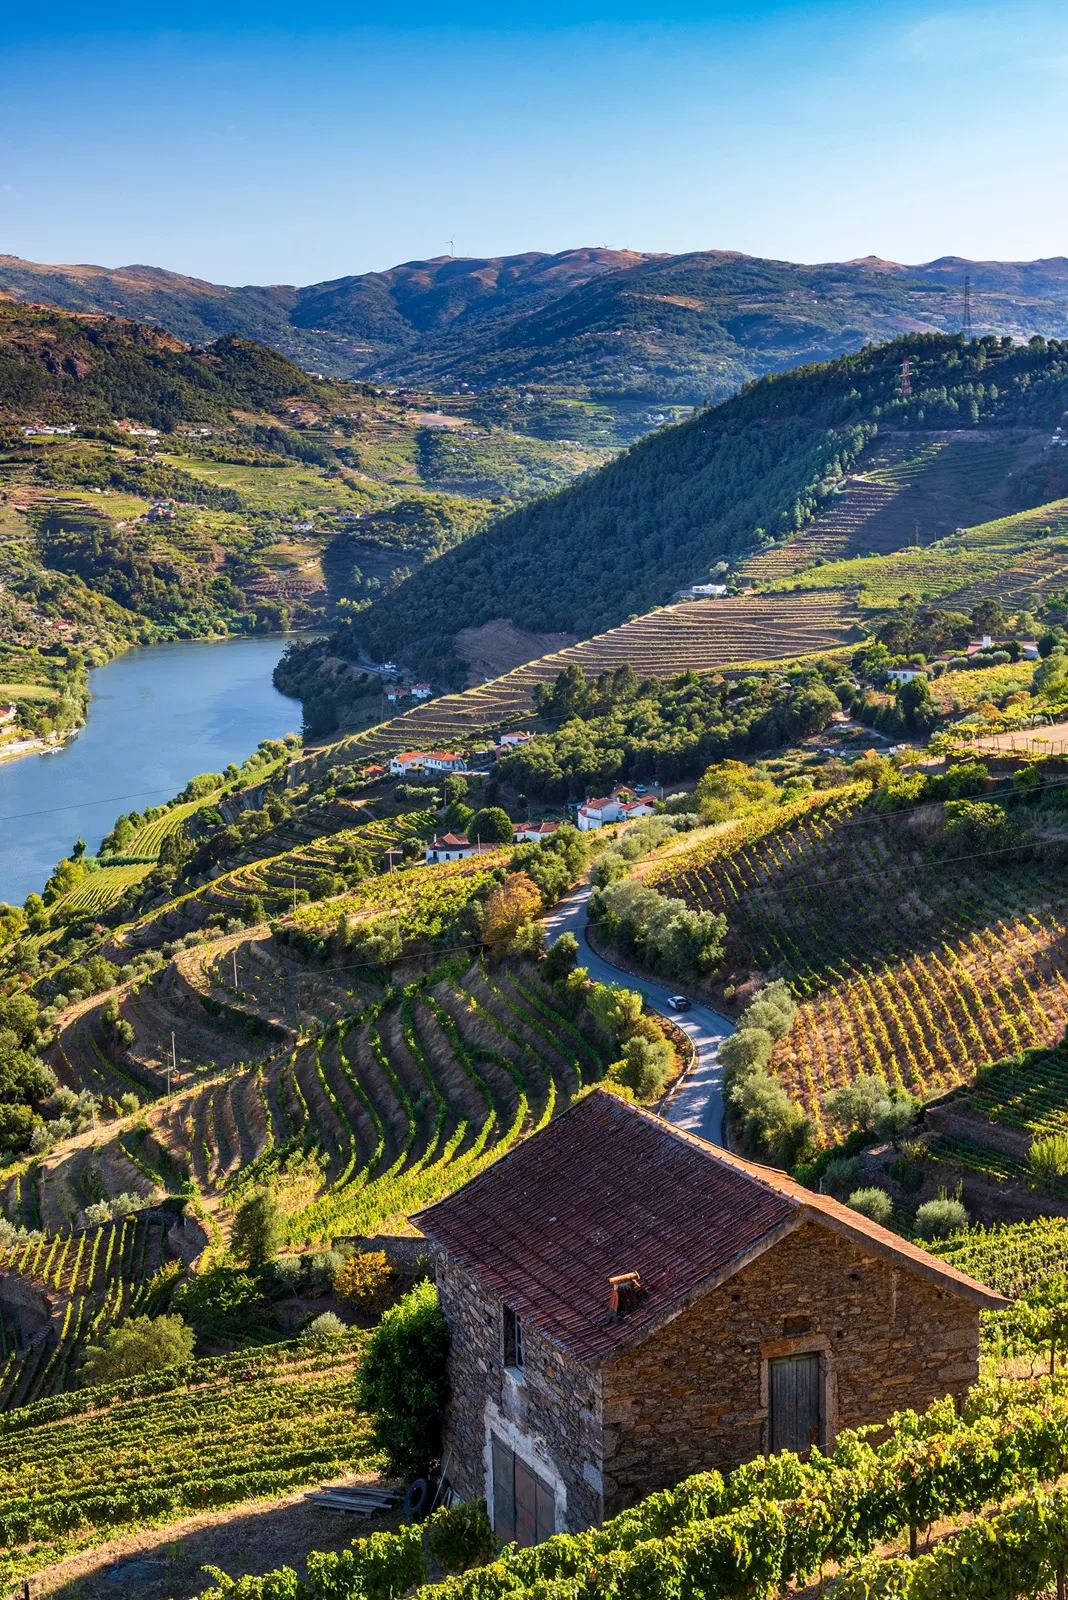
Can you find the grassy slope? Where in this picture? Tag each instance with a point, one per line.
(1011, 558)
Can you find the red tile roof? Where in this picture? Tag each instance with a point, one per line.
(606, 1189)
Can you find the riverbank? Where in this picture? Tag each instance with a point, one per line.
(158, 715)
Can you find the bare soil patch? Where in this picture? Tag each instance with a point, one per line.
(168, 1563)
(498, 646)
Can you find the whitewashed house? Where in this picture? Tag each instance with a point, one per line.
(622, 805)
(449, 847)
(443, 761)
(534, 832)
(407, 761)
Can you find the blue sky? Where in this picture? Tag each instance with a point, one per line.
(272, 143)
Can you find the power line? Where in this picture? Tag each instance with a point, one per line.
(107, 800)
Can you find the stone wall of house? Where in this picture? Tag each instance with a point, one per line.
(694, 1395)
(550, 1416)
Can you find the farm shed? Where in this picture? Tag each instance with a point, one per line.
(628, 1304)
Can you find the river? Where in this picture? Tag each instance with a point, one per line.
(157, 716)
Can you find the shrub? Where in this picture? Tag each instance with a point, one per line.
(380, 1567)
(937, 1219)
(893, 1118)
(364, 1280)
(529, 940)
(841, 1176)
(136, 1346)
(771, 1121)
(872, 1203)
(560, 958)
(403, 1381)
(645, 1067)
(1048, 1158)
(322, 1269)
(461, 1536)
(257, 1230)
(614, 1009)
(325, 1327)
(222, 1302)
(854, 1104)
(748, 1050)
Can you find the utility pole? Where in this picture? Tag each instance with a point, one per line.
(172, 1066)
(233, 952)
(294, 882)
(904, 387)
(966, 326)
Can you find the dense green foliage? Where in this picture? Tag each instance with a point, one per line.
(663, 730)
(59, 366)
(403, 1382)
(771, 1524)
(138, 1345)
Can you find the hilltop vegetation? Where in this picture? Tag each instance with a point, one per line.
(745, 474)
(277, 495)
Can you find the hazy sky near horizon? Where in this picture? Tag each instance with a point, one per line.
(271, 143)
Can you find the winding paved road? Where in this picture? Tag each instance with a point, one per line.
(698, 1104)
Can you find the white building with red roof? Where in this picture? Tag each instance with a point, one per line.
(622, 805)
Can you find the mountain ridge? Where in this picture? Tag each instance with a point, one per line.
(622, 327)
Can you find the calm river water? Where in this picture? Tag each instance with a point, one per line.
(158, 715)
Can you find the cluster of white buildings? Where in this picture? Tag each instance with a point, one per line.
(622, 805)
(457, 846)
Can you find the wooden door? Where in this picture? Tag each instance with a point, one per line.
(524, 1505)
(796, 1396)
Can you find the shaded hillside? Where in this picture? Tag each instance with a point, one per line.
(737, 478)
(59, 367)
(615, 325)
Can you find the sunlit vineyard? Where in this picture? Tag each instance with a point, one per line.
(245, 1427)
(93, 1278)
(382, 1100)
(917, 968)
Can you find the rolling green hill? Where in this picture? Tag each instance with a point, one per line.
(739, 477)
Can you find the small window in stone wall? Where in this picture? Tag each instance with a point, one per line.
(513, 1340)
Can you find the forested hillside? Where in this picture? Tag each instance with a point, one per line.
(738, 478)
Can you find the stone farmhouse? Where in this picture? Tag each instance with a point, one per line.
(629, 1305)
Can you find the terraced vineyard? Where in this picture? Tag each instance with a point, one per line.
(919, 969)
(76, 1470)
(1012, 559)
(699, 635)
(1028, 1091)
(316, 857)
(908, 489)
(88, 1280)
(381, 1100)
